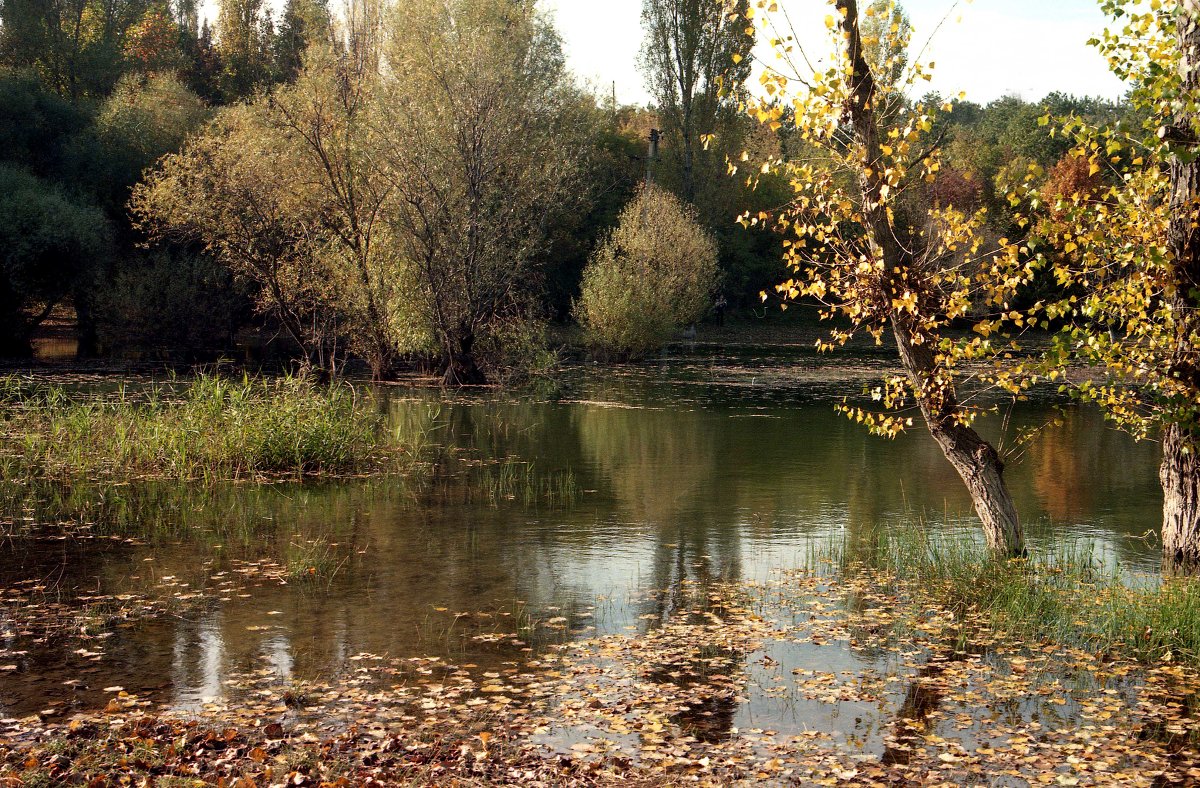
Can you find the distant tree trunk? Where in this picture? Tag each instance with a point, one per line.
(383, 364)
(85, 326)
(976, 461)
(14, 335)
(14, 342)
(689, 151)
(1180, 472)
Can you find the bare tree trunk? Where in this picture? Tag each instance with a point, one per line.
(1180, 472)
(689, 154)
(976, 461)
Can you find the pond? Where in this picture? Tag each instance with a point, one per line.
(589, 509)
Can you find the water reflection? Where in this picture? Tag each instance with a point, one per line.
(694, 472)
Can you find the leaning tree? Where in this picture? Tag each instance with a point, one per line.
(867, 237)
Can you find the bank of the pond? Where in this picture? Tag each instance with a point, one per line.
(1062, 594)
(208, 428)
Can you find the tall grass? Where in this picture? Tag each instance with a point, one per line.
(1063, 594)
(514, 480)
(210, 428)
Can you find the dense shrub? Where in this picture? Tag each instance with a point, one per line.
(170, 301)
(651, 276)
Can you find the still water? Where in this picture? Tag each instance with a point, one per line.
(570, 504)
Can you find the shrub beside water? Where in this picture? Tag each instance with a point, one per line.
(213, 429)
(651, 277)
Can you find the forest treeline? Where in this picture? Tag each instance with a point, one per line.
(399, 183)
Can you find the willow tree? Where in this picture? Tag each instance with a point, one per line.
(286, 192)
(1125, 241)
(482, 146)
(864, 239)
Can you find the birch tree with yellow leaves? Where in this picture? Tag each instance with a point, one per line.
(1128, 250)
(866, 237)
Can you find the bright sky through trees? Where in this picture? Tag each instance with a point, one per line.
(1000, 47)
(1023, 47)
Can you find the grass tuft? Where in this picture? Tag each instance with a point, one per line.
(1064, 594)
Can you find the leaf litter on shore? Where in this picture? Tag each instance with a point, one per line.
(751, 683)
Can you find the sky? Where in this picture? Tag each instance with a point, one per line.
(986, 48)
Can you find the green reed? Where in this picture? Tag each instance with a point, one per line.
(1061, 593)
(209, 428)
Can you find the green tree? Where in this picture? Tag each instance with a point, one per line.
(482, 145)
(202, 68)
(75, 46)
(695, 57)
(145, 118)
(303, 23)
(613, 168)
(243, 41)
(172, 297)
(47, 241)
(886, 32)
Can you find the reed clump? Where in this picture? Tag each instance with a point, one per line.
(1063, 593)
(210, 428)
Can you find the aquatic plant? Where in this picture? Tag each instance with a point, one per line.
(1064, 594)
(514, 480)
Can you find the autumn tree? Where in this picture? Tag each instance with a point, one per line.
(75, 46)
(153, 44)
(853, 247)
(482, 146)
(1121, 223)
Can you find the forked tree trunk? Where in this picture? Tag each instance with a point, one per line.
(461, 368)
(1180, 472)
(976, 461)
